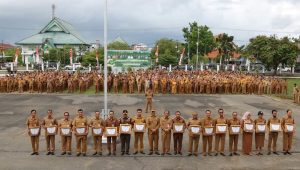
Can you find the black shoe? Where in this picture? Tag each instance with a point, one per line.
(69, 153)
(276, 153)
(195, 154)
(150, 153)
(209, 154)
(95, 153)
(222, 154)
(289, 153)
(48, 153)
(100, 153)
(52, 153)
(215, 154)
(179, 153)
(230, 154)
(236, 154)
(78, 154)
(168, 153)
(63, 153)
(109, 154)
(284, 153)
(142, 152)
(157, 153)
(84, 154)
(269, 153)
(135, 153)
(33, 153)
(175, 153)
(122, 153)
(127, 153)
(189, 154)
(163, 154)
(36, 153)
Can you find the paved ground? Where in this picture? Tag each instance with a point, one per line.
(15, 144)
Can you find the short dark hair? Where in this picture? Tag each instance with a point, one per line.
(139, 110)
(67, 114)
(220, 110)
(125, 111)
(178, 112)
(207, 110)
(288, 110)
(260, 113)
(49, 110)
(79, 110)
(274, 110)
(33, 110)
(111, 111)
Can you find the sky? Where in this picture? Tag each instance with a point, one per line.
(146, 21)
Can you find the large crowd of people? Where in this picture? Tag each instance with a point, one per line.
(160, 81)
(161, 128)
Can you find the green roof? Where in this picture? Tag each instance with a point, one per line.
(119, 40)
(57, 31)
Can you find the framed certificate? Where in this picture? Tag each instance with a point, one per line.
(248, 127)
(65, 131)
(221, 128)
(97, 131)
(178, 128)
(139, 127)
(260, 128)
(289, 128)
(35, 131)
(235, 129)
(80, 130)
(195, 129)
(275, 127)
(51, 130)
(208, 131)
(111, 131)
(125, 129)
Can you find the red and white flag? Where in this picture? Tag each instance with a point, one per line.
(37, 55)
(156, 54)
(97, 57)
(17, 55)
(71, 56)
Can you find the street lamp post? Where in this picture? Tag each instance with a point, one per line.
(197, 48)
(105, 58)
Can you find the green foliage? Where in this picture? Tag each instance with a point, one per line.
(272, 51)
(225, 45)
(90, 57)
(118, 46)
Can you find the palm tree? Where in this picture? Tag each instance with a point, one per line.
(225, 45)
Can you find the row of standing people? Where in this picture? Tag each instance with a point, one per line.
(166, 126)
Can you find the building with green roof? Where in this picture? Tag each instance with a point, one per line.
(56, 34)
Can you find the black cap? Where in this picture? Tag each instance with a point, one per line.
(260, 113)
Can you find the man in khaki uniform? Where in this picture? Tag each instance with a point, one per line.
(139, 136)
(112, 121)
(295, 92)
(152, 123)
(49, 121)
(193, 138)
(220, 138)
(166, 126)
(81, 139)
(177, 137)
(287, 136)
(233, 138)
(273, 135)
(97, 122)
(33, 122)
(149, 96)
(66, 141)
(207, 140)
(125, 138)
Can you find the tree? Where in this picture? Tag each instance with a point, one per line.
(226, 46)
(272, 51)
(206, 39)
(90, 57)
(118, 46)
(169, 51)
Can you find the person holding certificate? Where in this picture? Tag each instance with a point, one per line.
(234, 124)
(97, 124)
(260, 122)
(207, 124)
(288, 125)
(139, 121)
(166, 126)
(273, 134)
(80, 127)
(66, 138)
(179, 127)
(111, 121)
(194, 126)
(50, 122)
(33, 126)
(248, 128)
(220, 136)
(125, 137)
(153, 132)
